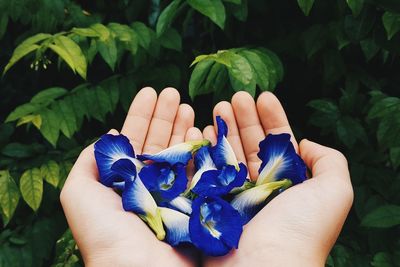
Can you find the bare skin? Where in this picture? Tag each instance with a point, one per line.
(297, 228)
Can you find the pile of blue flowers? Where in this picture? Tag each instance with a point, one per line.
(208, 211)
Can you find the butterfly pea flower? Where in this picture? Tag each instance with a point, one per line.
(214, 226)
(180, 153)
(165, 182)
(218, 169)
(280, 168)
(176, 225)
(136, 198)
(222, 153)
(220, 182)
(280, 160)
(249, 202)
(109, 149)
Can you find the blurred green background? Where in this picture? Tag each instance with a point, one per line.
(71, 69)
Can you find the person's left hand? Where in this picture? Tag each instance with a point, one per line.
(106, 234)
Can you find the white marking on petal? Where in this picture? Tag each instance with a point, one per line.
(182, 203)
(177, 225)
(274, 166)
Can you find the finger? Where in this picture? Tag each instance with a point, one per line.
(137, 121)
(273, 117)
(184, 120)
(161, 124)
(250, 129)
(224, 109)
(193, 133)
(324, 160)
(209, 134)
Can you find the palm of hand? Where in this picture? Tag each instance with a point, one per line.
(310, 214)
(299, 226)
(105, 233)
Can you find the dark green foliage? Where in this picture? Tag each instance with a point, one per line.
(72, 68)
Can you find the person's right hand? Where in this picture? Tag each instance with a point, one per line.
(300, 225)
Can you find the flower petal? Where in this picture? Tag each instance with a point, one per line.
(203, 162)
(163, 181)
(107, 150)
(279, 160)
(222, 153)
(179, 203)
(177, 226)
(214, 226)
(251, 201)
(216, 182)
(137, 198)
(180, 153)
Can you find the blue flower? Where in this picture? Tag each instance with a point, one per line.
(279, 160)
(179, 203)
(249, 202)
(180, 153)
(280, 168)
(107, 150)
(176, 225)
(202, 162)
(220, 182)
(137, 198)
(222, 153)
(164, 181)
(215, 227)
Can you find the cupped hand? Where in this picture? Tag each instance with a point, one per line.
(105, 234)
(300, 225)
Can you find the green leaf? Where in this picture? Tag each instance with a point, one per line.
(213, 9)
(143, 33)
(167, 16)
(36, 120)
(22, 111)
(50, 128)
(389, 131)
(108, 51)
(26, 47)
(260, 69)
(50, 172)
(66, 117)
(240, 68)
(66, 251)
(86, 32)
(65, 168)
(9, 196)
(198, 77)
(382, 259)
(47, 96)
(102, 31)
(384, 107)
(369, 48)
(349, 130)
(71, 53)
(306, 6)
(382, 217)
(31, 187)
(358, 28)
(324, 106)
(171, 39)
(391, 22)
(20, 151)
(355, 6)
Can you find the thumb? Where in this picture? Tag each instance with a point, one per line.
(322, 160)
